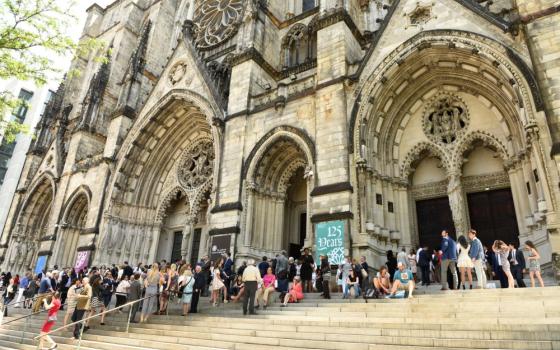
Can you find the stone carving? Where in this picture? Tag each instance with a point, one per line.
(178, 72)
(216, 21)
(197, 166)
(420, 15)
(457, 203)
(446, 118)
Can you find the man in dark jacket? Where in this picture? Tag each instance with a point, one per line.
(424, 263)
(517, 262)
(199, 284)
(448, 260)
(127, 270)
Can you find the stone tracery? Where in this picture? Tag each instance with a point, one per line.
(216, 21)
(446, 118)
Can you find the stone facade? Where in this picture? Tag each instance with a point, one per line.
(256, 120)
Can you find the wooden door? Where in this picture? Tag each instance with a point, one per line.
(492, 215)
(433, 216)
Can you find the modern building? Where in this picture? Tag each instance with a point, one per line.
(351, 127)
(13, 154)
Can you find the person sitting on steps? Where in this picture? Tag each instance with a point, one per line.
(403, 280)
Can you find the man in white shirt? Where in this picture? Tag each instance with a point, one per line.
(251, 279)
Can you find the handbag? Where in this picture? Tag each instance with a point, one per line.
(364, 273)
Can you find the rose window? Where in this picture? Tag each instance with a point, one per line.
(216, 21)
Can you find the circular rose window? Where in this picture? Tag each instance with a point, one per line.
(216, 21)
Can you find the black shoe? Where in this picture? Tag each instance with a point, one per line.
(264, 307)
(257, 307)
(244, 313)
(253, 313)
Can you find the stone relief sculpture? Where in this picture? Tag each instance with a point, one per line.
(446, 118)
(197, 165)
(216, 21)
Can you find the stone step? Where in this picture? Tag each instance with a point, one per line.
(249, 326)
(330, 341)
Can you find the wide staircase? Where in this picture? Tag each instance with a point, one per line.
(489, 319)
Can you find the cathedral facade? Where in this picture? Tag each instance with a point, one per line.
(356, 126)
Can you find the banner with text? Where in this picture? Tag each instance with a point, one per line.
(330, 241)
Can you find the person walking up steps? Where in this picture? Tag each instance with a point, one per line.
(52, 308)
(476, 253)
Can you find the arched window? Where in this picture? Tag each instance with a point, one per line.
(296, 46)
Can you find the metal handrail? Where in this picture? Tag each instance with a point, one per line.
(29, 315)
(3, 306)
(84, 320)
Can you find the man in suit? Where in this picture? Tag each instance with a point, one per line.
(476, 253)
(228, 271)
(448, 260)
(517, 262)
(134, 293)
(424, 263)
(498, 272)
(199, 285)
(127, 270)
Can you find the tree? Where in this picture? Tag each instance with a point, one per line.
(32, 33)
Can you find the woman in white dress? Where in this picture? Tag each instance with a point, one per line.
(412, 263)
(464, 262)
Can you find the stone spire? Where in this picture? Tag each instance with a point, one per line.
(48, 119)
(131, 83)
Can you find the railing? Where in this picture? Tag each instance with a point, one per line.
(84, 320)
(26, 324)
(4, 307)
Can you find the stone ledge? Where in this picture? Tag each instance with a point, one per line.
(332, 188)
(331, 216)
(224, 231)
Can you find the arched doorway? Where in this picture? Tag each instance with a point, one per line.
(442, 132)
(165, 176)
(73, 224)
(33, 224)
(277, 195)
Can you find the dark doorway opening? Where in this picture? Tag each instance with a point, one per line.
(176, 251)
(295, 249)
(195, 246)
(433, 216)
(492, 215)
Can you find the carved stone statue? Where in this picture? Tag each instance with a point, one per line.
(457, 203)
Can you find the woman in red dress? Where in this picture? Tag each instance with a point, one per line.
(295, 294)
(52, 308)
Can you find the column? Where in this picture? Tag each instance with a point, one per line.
(187, 231)
(250, 193)
(457, 203)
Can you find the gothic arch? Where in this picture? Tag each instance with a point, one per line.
(476, 138)
(295, 135)
(419, 152)
(297, 45)
(507, 66)
(83, 195)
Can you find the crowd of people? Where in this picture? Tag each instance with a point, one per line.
(453, 262)
(90, 291)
